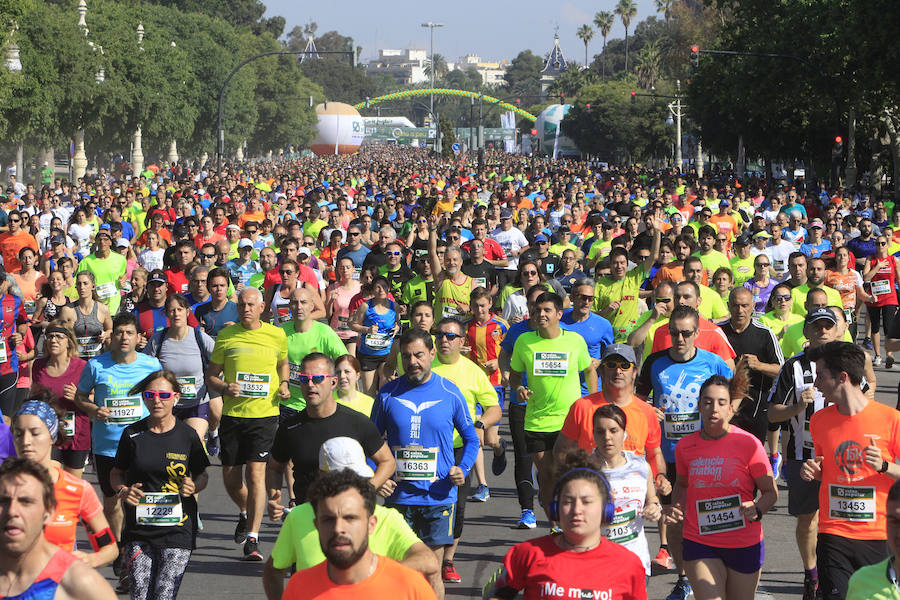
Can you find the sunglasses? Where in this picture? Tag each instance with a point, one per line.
(393, 253)
(305, 378)
(15, 220)
(150, 395)
(617, 364)
(447, 334)
(663, 300)
(422, 221)
(541, 243)
(287, 271)
(882, 243)
(205, 255)
(529, 272)
(583, 296)
(353, 233)
(781, 297)
(685, 333)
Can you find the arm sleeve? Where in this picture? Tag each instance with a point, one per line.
(371, 440)
(515, 360)
(758, 462)
(644, 386)
(654, 433)
(584, 355)
(377, 415)
(571, 426)
(283, 550)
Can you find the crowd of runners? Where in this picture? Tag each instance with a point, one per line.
(345, 335)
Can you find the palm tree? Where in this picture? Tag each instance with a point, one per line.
(585, 33)
(604, 21)
(648, 65)
(665, 7)
(627, 10)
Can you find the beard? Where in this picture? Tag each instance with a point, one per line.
(343, 559)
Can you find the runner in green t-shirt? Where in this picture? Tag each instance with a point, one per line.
(108, 268)
(552, 358)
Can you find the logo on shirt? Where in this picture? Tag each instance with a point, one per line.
(417, 409)
(849, 457)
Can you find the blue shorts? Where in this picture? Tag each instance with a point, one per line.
(501, 395)
(199, 411)
(743, 560)
(433, 524)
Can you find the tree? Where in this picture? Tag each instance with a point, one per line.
(241, 13)
(585, 33)
(440, 66)
(523, 77)
(604, 21)
(665, 7)
(648, 65)
(339, 81)
(572, 80)
(627, 10)
(448, 137)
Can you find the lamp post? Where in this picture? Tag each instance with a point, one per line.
(430, 25)
(137, 153)
(79, 159)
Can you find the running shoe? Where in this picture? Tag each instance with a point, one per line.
(810, 589)
(212, 446)
(448, 572)
(867, 343)
(878, 361)
(682, 590)
(482, 494)
(251, 551)
(663, 559)
(776, 460)
(528, 520)
(240, 531)
(498, 465)
(889, 362)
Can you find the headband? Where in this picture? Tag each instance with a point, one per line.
(42, 411)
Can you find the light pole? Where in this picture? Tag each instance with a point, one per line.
(430, 25)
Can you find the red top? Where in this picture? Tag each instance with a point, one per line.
(711, 338)
(884, 285)
(41, 379)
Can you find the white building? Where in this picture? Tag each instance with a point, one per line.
(491, 72)
(406, 66)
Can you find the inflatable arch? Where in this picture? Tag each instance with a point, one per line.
(447, 92)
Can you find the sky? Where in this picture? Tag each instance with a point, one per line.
(486, 28)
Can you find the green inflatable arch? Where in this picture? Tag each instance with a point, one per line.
(447, 92)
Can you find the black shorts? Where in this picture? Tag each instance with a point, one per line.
(882, 317)
(104, 466)
(285, 413)
(368, 362)
(671, 475)
(837, 558)
(803, 496)
(73, 459)
(8, 394)
(246, 440)
(198, 411)
(540, 441)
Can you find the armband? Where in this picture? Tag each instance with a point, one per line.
(101, 539)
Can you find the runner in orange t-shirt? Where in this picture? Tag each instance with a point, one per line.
(12, 241)
(856, 443)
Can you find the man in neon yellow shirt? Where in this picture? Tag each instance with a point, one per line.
(616, 295)
(815, 279)
(742, 262)
(711, 258)
(108, 268)
(712, 307)
(794, 339)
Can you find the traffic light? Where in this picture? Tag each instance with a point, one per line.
(534, 132)
(838, 148)
(518, 101)
(695, 57)
(562, 98)
(633, 97)
(587, 106)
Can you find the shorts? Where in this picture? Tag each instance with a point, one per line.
(369, 362)
(803, 496)
(8, 394)
(73, 459)
(104, 466)
(671, 475)
(285, 413)
(881, 317)
(743, 560)
(837, 558)
(198, 411)
(501, 395)
(540, 441)
(433, 524)
(246, 440)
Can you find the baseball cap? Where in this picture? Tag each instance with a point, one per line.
(724, 202)
(506, 214)
(622, 350)
(762, 234)
(157, 276)
(816, 223)
(541, 238)
(341, 453)
(742, 240)
(233, 226)
(245, 243)
(821, 313)
(105, 227)
(122, 243)
(57, 239)
(303, 250)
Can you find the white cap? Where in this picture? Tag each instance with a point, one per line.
(245, 243)
(340, 453)
(122, 243)
(46, 164)
(304, 250)
(233, 226)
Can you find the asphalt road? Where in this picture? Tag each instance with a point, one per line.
(216, 573)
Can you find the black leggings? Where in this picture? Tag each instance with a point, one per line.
(8, 394)
(882, 317)
(462, 496)
(521, 458)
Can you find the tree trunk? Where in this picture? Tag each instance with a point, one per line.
(850, 170)
(891, 120)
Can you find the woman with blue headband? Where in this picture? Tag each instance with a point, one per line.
(36, 428)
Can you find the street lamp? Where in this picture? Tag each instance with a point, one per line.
(430, 25)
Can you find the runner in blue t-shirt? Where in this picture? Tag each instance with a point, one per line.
(596, 331)
(419, 412)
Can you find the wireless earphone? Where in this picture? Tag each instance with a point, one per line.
(609, 509)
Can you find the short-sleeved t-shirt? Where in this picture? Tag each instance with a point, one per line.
(721, 475)
(625, 291)
(250, 357)
(853, 495)
(474, 384)
(214, 321)
(799, 293)
(711, 304)
(390, 580)
(710, 338)
(300, 437)
(596, 331)
(641, 424)
(609, 569)
(76, 501)
(553, 366)
(361, 404)
(106, 276)
(712, 261)
(873, 583)
(319, 338)
(185, 359)
(111, 383)
(298, 540)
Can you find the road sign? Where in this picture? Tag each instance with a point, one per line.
(456, 147)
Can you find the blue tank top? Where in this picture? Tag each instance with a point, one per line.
(380, 343)
(47, 582)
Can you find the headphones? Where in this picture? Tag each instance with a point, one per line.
(609, 509)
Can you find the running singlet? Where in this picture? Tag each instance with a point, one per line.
(853, 495)
(676, 390)
(721, 475)
(484, 339)
(449, 298)
(378, 344)
(883, 285)
(47, 581)
(628, 485)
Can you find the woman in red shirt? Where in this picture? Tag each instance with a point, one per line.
(881, 273)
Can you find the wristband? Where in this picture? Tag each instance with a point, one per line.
(884, 466)
(479, 425)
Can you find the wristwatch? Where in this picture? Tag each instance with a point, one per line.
(479, 425)
(884, 466)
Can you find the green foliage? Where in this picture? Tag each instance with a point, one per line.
(614, 129)
(340, 81)
(242, 13)
(448, 137)
(523, 77)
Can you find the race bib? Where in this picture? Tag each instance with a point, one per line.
(89, 346)
(881, 287)
(778, 265)
(3, 355)
(356, 274)
(550, 364)
(719, 514)
(253, 385)
(851, 503)
(188, 387)
(448, 310)
(69, 424)
(106, 290)
(282, 318)
(343, 323)
(295, 375)
(678, 425)
(124, 410)
(30, 307)
(377, 341)
(416, 464)
(807, 437)
(159, 509)
(479, 282)
(623, 527)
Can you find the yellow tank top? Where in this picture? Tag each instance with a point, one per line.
(450, 299)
